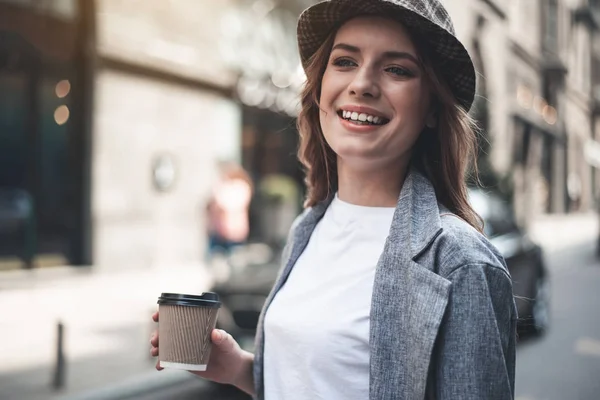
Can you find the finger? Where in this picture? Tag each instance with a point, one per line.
(154, 339)
(155, 317)
(154, 351)
(158, 367)
(222, 339)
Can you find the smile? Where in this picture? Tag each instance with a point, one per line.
(362, 118)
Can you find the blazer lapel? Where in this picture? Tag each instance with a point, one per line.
(409, 299)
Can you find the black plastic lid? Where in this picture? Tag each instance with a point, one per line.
(206, 299)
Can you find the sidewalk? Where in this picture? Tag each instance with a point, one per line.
(562, 231)
(107, 329)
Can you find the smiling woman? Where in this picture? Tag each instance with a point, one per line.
(388, 288)
(394, 64)
(386, 141)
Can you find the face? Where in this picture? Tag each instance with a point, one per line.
(374, 96)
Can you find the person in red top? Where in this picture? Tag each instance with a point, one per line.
(227, 209)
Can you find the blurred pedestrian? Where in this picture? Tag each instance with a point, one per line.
(227, 210)
(388, 288)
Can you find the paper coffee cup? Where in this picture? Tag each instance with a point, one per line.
(184, 329)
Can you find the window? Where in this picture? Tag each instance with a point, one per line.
(550, 33)
(64, 9)
(551, 91)
(40, 156)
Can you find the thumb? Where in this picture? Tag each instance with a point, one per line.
(223, 340)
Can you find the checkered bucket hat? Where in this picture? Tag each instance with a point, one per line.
(428, 19)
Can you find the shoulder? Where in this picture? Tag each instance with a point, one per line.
(299, 219)
(459, 245)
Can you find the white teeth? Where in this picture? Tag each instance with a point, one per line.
(362, 117)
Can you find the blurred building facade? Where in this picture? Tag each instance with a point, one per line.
(129, 106)
(536, 100)
(163, 116)
(115, 114)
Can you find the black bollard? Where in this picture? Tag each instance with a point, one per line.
(59, 368)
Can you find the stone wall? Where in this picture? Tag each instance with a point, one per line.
(136, 121)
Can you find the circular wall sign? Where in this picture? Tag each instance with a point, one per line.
(164, 172)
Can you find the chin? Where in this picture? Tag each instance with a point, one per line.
(346, 144)
(351, 155)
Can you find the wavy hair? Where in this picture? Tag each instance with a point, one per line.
(443, 154)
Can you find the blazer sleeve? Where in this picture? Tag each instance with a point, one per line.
(475, 350)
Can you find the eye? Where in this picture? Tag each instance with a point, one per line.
(399, 71)
(343, 62)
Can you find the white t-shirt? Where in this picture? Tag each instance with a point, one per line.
(317, 327)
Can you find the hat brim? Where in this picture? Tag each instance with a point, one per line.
(318, 21)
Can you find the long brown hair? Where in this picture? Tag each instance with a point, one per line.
(444, 154)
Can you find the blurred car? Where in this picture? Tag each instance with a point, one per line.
(524, 258)
(245, 286)
(243, 283)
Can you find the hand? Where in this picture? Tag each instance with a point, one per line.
(227, 363)
(154, 343)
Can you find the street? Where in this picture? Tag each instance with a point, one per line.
(193, 389)
(563, 364)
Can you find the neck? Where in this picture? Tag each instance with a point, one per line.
(372, 188)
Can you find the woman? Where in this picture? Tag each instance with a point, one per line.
(388, 289)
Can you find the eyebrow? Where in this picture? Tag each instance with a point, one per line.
(387, 54)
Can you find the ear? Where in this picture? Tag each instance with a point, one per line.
(431, 120)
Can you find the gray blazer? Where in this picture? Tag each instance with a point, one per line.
(443, 318)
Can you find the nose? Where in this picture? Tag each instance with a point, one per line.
(364, 84)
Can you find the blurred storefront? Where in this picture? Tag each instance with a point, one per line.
(580, 124)
(263, 52)
(187, 85)
(539, 119)
(592, 147)
(116, 114)
(41, 191)
(534, 102)
(164, 115)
